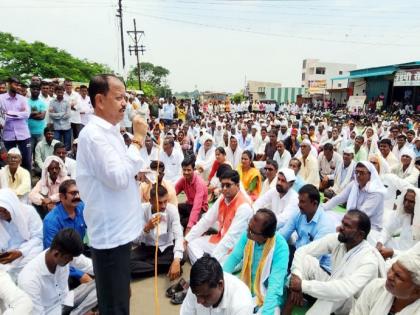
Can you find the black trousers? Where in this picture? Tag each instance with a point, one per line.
(184, 213)
(142, 261)
(112, 277)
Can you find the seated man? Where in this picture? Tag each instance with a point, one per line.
(14, 176)
(295, 165)
(399, 293)
(264, 255)
(282, 200)
(214, 292)
(354, 264)
(45, 278)
(13, 301)
(68, 213)
(45, 194)
(197, 195)
(309, 170)
(171, 250)
(172, 158)
(20, 233)
(231, 212)
(366, 193)
(149, 180)
(328, 162)
(406, 168)
(44, 148)
(60, 151)
(271, 168)
(310, 224)
(405, 221)
(343, 174)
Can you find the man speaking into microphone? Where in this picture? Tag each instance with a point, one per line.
(106, 172)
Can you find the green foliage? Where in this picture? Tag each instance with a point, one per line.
(22, 59)
(238, 97)
(152, 80)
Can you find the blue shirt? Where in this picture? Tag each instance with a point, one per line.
(320, 225)
(36, 127)
(57, 220)
(299, 182)
(278, 272)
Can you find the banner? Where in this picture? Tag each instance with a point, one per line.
(410, 77)
(356, 102)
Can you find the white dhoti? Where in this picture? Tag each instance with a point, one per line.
(198, 247)
(312, 271)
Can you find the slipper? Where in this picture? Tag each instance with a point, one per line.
(179, 297)
(177, 287)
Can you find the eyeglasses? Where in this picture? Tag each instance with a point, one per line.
(73, 193)
(227, 185)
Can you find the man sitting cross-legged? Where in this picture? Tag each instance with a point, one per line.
(165, 215)
(264, 255)
(231, 212)
(354, 264)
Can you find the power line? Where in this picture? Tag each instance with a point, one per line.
(271, 34)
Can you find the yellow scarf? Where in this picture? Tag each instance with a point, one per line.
(247, 267)
(248, 176)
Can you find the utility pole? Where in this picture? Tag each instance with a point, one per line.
(136, 48)
(120, 16)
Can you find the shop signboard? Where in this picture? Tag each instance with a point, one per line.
(317, 86)
(410, 77)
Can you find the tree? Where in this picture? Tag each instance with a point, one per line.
(22, 59)
(151, 75)
(238, 97)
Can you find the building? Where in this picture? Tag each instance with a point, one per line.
(214, 97)
(399, 83)
(316, 76)
(258, 91)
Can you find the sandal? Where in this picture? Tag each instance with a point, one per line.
(179, 297)
(180, 286)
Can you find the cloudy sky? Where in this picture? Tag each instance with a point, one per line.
(217, 44)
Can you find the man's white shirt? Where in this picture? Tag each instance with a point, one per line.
(106, 172)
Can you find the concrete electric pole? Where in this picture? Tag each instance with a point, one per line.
(136, 48)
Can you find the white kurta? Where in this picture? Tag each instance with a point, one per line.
(376, 300)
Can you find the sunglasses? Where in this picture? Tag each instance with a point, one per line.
(73, 193)
(269, 169)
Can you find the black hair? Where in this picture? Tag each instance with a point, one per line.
(59, 145)
(222, 169)
(206, 270)
(273, 163)
(364, 221)
(270, 222)
(360, 137)
(249, 154)
(99, 84)
(297, 160)
(59, 88)
(83, 86)
(232, 175)
(188, 160)
(402, 136)
(386, 141)
(154, 165)
(311, 191)
(221, 150)
(161, 191)
(64, 186)
(328, 147)
(170, 140)
(68, 242)
(45, 83)
(48, 129)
